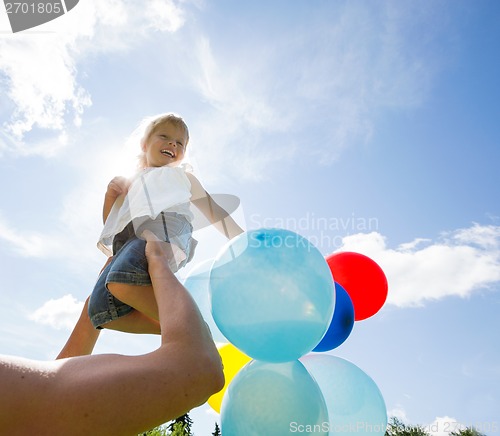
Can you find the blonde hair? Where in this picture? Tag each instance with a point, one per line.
(149, 125)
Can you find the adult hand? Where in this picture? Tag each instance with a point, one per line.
(155, 247)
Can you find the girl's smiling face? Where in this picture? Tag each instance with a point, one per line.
(166, 145)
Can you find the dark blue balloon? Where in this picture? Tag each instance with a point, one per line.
(342, 322)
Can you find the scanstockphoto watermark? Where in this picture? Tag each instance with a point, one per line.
(321, 231)
(328, 427)
(27, 14)
(449, 426)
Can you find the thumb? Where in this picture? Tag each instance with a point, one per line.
(149, 236)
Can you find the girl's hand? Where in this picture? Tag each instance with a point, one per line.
(118, 185)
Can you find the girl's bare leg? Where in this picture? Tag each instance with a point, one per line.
(141, 298)
(83, 337)
(135, 322)
(114, 394)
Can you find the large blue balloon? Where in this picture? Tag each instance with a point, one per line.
(273, 399)
(355, 404)
(342, 321)
(272, 294)
(197, 283)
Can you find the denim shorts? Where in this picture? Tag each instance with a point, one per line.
(130, 266)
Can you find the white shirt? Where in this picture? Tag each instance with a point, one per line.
(152, 191)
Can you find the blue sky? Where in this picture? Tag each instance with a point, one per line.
(369, 126)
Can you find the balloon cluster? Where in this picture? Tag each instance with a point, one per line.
(270, 294)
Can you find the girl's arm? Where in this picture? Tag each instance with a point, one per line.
(214, 213)
(117, 186)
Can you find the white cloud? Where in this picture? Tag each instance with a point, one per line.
(77, 220)
(60, 313)
(242, 115)
(27, 243)
(481, 236)
(41, 82)
(70, 239)
(318, 77)
(231, 88)
(458, 264)
(317, 84)
(164, 15)
(41, 68)
(443, 426)
(349, 76)
(481, 366)
(398, 412)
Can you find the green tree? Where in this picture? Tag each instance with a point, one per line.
(157, 431)
(216, 431)
(181, 426)
(396, 427)
(468, 431)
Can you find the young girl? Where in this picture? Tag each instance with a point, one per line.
(158, 200)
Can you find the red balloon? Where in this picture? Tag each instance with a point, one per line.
(363, 280)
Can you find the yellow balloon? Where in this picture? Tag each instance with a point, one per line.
(233, 360)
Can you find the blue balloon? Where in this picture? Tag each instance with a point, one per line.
(197, 283)
(272, 294)
(273, 399)
(355, 404)
(342, 321)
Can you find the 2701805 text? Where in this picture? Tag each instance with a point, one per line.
(35, 7)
